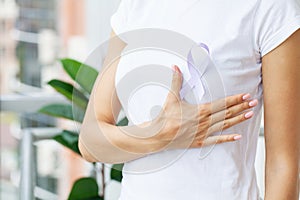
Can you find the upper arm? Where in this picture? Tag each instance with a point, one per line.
(104, 104)
(104, 99)
(281, 83)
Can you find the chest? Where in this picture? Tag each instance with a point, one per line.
(225, 28)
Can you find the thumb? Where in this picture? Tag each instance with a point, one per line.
(176, 81)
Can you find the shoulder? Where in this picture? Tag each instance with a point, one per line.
(274, 22)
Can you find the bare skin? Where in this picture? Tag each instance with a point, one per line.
(179, 125)
(281, 81)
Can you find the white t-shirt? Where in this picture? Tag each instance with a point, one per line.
(238, 34)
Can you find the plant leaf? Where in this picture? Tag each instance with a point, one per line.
(83, 74)
(64, 111)
(70, 92)
(123, 122)
(116, 172)
(68, 139)
(85, 189)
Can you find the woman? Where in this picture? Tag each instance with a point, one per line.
(255, 47)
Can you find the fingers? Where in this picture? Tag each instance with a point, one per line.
(217, 139)
(232, 111)
(227, 102)
(227, 123)
(176, 81)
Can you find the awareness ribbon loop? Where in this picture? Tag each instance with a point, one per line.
(195, 74)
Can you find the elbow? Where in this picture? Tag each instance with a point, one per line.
(95, 146)
(104, 155)
(84, 152)
(283, 165)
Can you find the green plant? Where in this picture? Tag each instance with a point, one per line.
(78, 94)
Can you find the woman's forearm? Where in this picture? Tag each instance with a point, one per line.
(104, 142)
(101, 141)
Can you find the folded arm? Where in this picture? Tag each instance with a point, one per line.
(99, 138)
(179, 124)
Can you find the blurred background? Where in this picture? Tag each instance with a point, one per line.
(33, 35)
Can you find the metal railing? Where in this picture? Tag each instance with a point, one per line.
(28, 188)
(30, 103)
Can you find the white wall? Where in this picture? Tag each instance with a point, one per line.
(260, 165)
(98, 13)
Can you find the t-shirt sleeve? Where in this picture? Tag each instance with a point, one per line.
(119, 19)
(274, 22)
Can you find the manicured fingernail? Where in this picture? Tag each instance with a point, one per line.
(249, 114)
(237, 137)
(177, 69)
(253, 103)
(246, 96)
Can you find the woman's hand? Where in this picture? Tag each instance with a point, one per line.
(186, 125)
(179, 125)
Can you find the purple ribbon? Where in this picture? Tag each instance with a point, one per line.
(195, 74)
